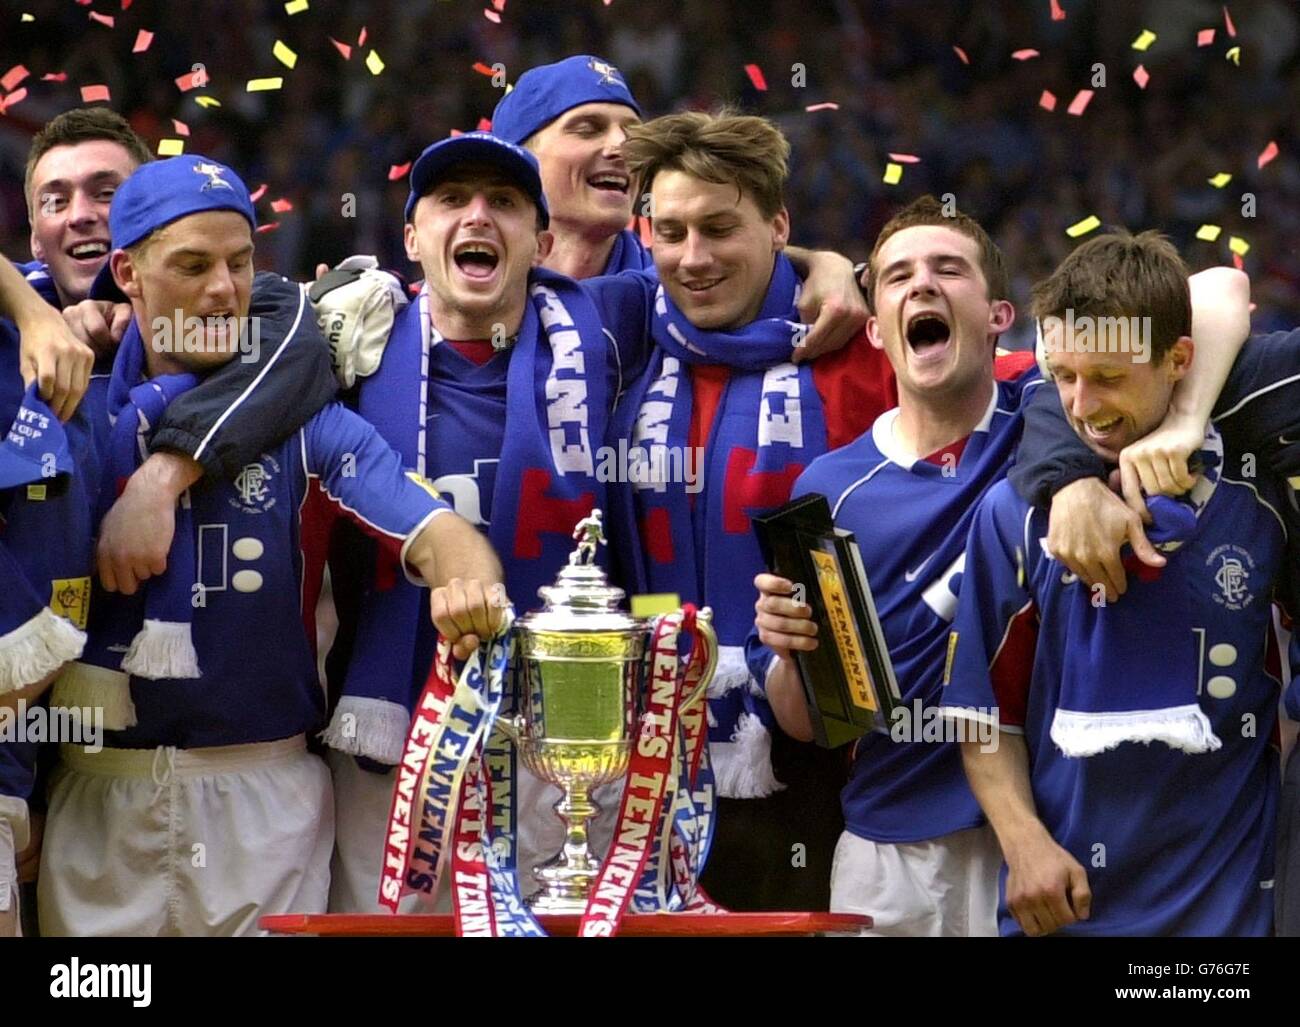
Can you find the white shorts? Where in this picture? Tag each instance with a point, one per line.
(184, 841)
(362, 802)
(943, 887)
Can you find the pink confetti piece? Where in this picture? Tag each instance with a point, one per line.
(258, 193)
(484, 69)
(85, 3)
(103, 19)
(961, 54)
(1205, 37)
(1024, 55)
(271, 227)
(492, 16)
(455, 132)
(142, 40)
(194, 80)
(55, 76)
(282, 206)
(1141, 76)
(1227, 21)
(1080, 102)
(755, 74)
(13, 99)
(361, 39)
(398, 171)
(342, 48)
(126, 5)
(500, 5)
(1240, 265)
(1048, 100)
(1057, 13)
(89, 94)
(13, 76)
(1270, 152)
(181, 128)
(485, 124)
(905, 158)
(829, 105)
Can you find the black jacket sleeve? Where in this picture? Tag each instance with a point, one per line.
(1051, 455)
(249, 405)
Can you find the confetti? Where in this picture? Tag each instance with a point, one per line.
(142, 40)
(1208, 233)
(492, 16)
(500, 5)
(1057, 13)
(180, 127)
(342, 48)
(103, 19)
(485, 124)
(55, 76)
(361, 39)
(893, 174)
(374, 63)
(207, 101)
(258, 193)
(484, 69)
(1227, 23)
(1024, 55)
(295, 6)
(284, 55)
(1141, 76)
(14, 98)
(268, 228)
(262, 85)
(961, 54)
(1048, 100)
(1088, 224)
(755, 74)
(829, 105)
(89, 94)
(171, 147)
(1080, 102)
(1144, 41)
(1220, 180)
(1269, 152)
(1240, 265)
(27, 17)
(905, 158)
(194, 80)
(12, 77)
(1234, 55)
(281, 206)
(398, 171)
(1205, 37)
(126, 5)
(1238, 245)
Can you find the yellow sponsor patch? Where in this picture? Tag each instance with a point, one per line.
(36, 493)
(947, 663)
(424, 483)
(70, 598)
(846, 636)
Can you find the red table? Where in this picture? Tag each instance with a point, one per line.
(634, 925)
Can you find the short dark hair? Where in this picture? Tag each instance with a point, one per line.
(1122, 275)
(926, 210)
(82, 125)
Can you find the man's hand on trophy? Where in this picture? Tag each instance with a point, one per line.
(467, 613)
(784, 622)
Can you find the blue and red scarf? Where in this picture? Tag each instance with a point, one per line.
(556, 419)
(769, 425)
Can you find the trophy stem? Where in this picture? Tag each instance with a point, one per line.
(567, 880)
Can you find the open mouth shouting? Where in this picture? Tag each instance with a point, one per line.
(477, 260)
(928, 336)
(88, 253)
(1105, 432)
(610, 182)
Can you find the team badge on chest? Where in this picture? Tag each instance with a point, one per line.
(254, 489)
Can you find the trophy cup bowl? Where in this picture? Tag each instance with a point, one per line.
(581, 678)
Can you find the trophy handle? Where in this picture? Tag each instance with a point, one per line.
(704, 625)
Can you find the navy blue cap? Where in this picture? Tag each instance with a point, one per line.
(543, 93)
(163, 191)
(36, 448)
(515, 162)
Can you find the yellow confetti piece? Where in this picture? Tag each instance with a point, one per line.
(1144, 41)
(207, 101)
(893, 173)
(650, 604)
(1234, 55)
(261, 85)
(284, 55)
(374, 63)
(1220, 180)
(295, 6)
(1238, 245)
(1208, 233)
(171, 147)
(28, 17)
(1088, 224)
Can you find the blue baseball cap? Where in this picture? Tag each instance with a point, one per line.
(35, 448)
(543, 93)
(163, 191)
(515, 162)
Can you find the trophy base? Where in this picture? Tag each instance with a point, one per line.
(545, 904)
(565, 887)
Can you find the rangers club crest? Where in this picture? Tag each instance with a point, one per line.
(253, 486)
(1232, 567)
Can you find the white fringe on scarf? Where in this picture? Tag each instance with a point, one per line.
(742, 767)
(364, 726)
(83, 684)
(37, 648)
(1180, 727)
(162, 649)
